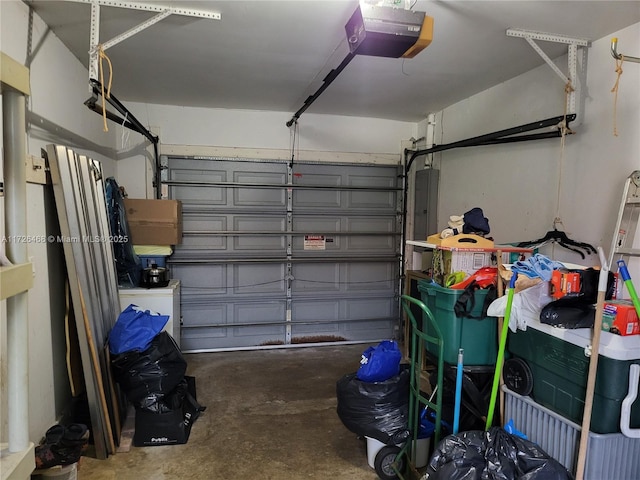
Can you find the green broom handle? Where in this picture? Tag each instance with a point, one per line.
(624, 273)
(500, 359)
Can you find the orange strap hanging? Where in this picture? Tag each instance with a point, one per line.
(108, 94)
(614, 90)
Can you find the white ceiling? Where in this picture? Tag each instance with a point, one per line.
(271, 55)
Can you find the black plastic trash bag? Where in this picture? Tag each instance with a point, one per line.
(171, 419)
(375, 409)
(492, 455)
(147, 376)
(475, 398)
(569, 312)
(172, 401)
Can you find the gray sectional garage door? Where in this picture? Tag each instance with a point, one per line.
(275, 253)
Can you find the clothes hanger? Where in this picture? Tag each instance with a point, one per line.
(561, 238)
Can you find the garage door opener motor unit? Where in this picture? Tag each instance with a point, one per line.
(388, 31)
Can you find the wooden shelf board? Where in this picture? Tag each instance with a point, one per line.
(15, 279)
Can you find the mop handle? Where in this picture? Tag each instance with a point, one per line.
(500, 359)
(456, 411)
(624, 273)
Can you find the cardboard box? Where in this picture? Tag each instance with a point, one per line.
(470, 261)
(171, 428)
(467, 262)
(620, 317)
(154, 222)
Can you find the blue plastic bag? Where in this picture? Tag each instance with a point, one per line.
(135, 329)
(380, 363)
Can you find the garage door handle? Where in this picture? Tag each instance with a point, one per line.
(625, 414)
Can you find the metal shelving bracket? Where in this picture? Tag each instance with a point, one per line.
(161, 10)
(573, 44)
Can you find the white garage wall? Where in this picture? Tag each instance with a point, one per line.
(517, 184)
(59, 86)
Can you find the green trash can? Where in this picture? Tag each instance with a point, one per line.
(478, 336)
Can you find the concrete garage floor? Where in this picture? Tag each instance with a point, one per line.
(271, 415)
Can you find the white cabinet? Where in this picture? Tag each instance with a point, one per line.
(165, 301)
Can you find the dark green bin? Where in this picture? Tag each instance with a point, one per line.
(560, 370)
(478, 337)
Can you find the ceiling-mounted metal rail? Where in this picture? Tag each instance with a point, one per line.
(573, 44)
(331, 76)
(163, 11)
(554, 126)
(619, 56)
(128, 120)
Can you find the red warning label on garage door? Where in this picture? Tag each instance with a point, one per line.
(314, 242)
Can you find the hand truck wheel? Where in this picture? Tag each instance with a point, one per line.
(384, 460)
(518, 376)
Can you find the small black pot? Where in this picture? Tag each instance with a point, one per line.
(155, 277)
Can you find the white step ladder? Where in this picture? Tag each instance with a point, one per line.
(627, 223)
(622, 248)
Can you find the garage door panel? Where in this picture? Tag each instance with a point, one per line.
(257, 335)
(192, 244)
(193, 227)
(367, 200)
(193, 222)
(201, 317)
(257, 223)
(200, 195)
(369, 308)
(368, 331)
(312, 332)
(316, 277)
(371, 277)
(379, 244)
(266, 243)
(263, 223)
(201, 279)
(311, 178)
(260, 315)
(258, 279)
(259, 197)
(199, 175)
(230, 341)
(247, 278)
(314, 310)
(380, 179)
(330, 278)
(317, 199)
(315, 224)
(379, 224)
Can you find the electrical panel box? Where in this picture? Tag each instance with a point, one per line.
(425, 220)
